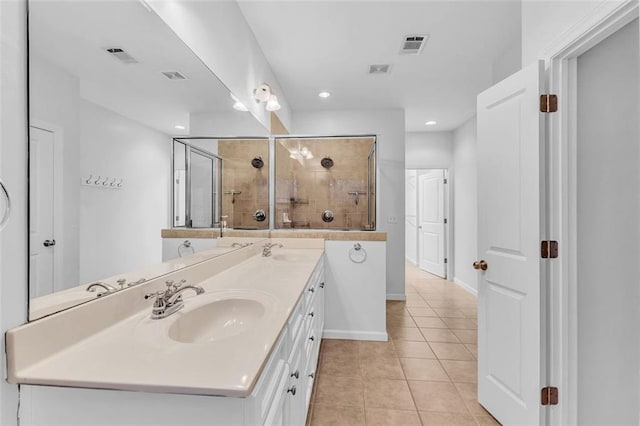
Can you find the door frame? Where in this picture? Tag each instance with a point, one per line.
(562, 325)
(58, 194)
(448, 214)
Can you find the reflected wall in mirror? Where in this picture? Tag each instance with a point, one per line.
(110, 85)
(325, 183)
(241, 196)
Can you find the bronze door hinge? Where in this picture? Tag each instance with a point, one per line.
(548, 103)
(549, 396)
(549, 249)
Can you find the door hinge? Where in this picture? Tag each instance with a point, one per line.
(445, 220)
(549, 396)
(548, 103)
(445, 260)
(549, 249)
(445, 181)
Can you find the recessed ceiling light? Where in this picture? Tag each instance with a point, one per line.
(179, 127)
(324, 95)
(431, 123)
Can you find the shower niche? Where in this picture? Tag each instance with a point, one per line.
(325, 183)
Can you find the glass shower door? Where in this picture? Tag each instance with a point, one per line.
(201, 203)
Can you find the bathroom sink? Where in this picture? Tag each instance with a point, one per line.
(289, 257)
(218, 320)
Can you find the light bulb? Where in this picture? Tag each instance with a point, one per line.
(273, 104)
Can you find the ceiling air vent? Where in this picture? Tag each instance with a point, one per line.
(379, 69)
(121, 55)
(413, 44)
(174, 75)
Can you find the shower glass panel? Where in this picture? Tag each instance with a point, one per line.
(197, 185)
(325, 182)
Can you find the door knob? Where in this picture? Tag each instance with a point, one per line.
(480, 265)
(49, 243)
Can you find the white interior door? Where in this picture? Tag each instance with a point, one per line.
(411, 216)
(42, 243)
(510, 185)
(431, 232)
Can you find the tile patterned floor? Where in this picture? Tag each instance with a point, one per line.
(426, 374)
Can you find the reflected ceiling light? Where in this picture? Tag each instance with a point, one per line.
(324, 95)
(179, 127)
(263, 93)
(431, 123)
(237, 105)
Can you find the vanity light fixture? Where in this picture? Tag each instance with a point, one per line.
(324, 95)
(263, 93)
(179, 127)
(237, 105)
(431, 123)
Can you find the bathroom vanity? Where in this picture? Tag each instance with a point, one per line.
(244, 352)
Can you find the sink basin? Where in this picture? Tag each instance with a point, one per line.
(289, 257)
(217, 320)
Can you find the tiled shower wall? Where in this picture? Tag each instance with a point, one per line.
(238, 175)
(304, 189)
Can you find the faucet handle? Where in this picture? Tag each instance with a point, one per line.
(178, 284)
(154, 294)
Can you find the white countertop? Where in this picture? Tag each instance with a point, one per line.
(138, 354)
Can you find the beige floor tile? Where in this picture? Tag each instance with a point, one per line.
(382, 367)
(461, 323)
(422, 312)
(461, 371)
(339, 391)
(423, 369)
(386, 393)
(429, 322)
(368, 349)
(437, 396)
(439, 335)
(340, 364)
(415, 303)
(400, 321)
(469, 394)
(431, 418)
(334, 346)
(332, 415)
(395, 306)
(386, 417)
(404, 333)
(486, 421)
(449, 313)
(450, 304)
(473, 349)
(470, 313)
(467, 336)
(456, 351)
(406, 349)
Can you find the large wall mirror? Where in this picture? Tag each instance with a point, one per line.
(110, 87)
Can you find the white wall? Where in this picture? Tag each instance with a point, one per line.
(227, 124)
(465, 196)
(545, 21)
(219, 34)
(120, 229)
(508, 63)
(55, 99)
(389, 126)
(607, 231)
(13, 171)
(429, 150)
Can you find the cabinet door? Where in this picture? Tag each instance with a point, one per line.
(279, 407)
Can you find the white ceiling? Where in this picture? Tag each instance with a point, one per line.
(329, 45)
(73, 35)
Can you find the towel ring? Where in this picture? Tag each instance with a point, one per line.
(357, 254)
(7, 210)
(186, 245)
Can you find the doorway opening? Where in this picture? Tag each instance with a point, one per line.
(427, 220)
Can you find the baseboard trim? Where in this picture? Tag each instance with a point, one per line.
(377, 336)
(466, 286)
(397, 296)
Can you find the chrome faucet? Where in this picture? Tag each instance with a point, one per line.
(170, 301)
(109, 288)
(266, 249)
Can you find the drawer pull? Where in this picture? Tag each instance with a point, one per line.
(321, 285)
(311, 314)
(312, 289)
(292, 390)
(312, 338)
(296, 374)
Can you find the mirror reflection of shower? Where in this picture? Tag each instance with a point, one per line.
(325, 182)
